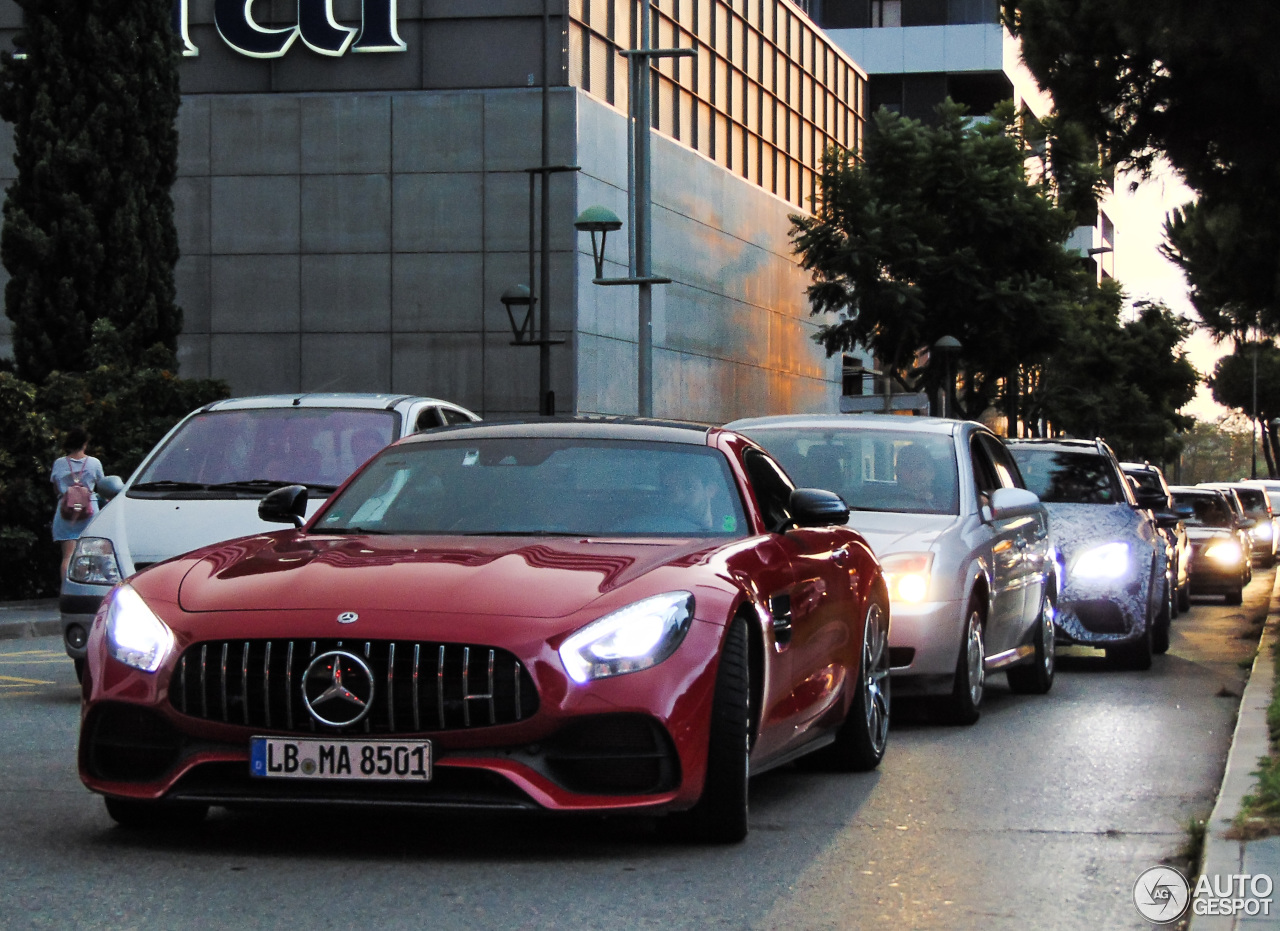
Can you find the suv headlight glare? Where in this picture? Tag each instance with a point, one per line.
(1225, 553)
(93, 562)
(630, 639)
(135, 636)
(1107, 562)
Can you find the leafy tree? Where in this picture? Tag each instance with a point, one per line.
(28, 556)
(1122, 381)
(1214, 452)
(88, 224)
(938, 231)
(1232, 384)
(1197, 84)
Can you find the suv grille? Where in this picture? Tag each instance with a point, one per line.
(417, 686)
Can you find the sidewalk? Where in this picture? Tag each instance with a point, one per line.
(20, 620)
(1223, 857)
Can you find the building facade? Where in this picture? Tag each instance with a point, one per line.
(354, 198)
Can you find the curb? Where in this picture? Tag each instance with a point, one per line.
(1251, 740)
(24, 620)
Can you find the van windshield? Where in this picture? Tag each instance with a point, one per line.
(248, 452)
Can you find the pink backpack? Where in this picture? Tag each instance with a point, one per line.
(75, 504)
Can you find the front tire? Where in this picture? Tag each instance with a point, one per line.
(963, 704)
(720, 816)
(860, 743)
(1037, 677)
(1135, 656)
(136, 815)
(1236, 597)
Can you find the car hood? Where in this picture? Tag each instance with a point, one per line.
(900, 533)
(515, 576)
(1078, 526)
(148, 530)
(1201, 534)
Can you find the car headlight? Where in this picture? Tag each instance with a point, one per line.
(1225, 553)
(630, 639)
(1262, 530)
(907, 575)
(1109, 561)
(93, 562)
(135, 636)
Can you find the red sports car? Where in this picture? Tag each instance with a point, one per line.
(566, 615)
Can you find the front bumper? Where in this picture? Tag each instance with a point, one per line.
(77, 604)
(631, 742)
(1103, 614)
(924, 644)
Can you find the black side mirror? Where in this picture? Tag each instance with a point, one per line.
(108, 487)
(1166, 519)
(286, 505)
(814, 507)
(1153, 501)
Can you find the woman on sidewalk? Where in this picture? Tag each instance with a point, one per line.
(76, 468)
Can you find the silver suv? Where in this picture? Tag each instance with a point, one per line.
(965, 547)
(202, 482)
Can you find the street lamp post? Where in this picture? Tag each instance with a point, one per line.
(640, 203)
(947, 347)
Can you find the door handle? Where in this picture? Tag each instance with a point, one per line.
(780, 612)
(841, 556)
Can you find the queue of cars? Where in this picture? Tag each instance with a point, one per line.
(581, 614)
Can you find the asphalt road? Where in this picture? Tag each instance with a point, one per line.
(1040, 816)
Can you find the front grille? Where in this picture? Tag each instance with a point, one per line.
(417, 686)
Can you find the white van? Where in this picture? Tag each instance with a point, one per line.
(202, 482)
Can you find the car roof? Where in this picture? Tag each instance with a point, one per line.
(360, 400)
(1139, 467)
(1061, 444)
(854, 422)
(578, 427)
(1196, 490)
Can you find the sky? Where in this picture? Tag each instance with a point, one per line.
(1147, 275)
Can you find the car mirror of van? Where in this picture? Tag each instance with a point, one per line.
(108, 487)
(286, 505)
(1013, 502)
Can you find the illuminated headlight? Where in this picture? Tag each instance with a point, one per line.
(93, 562)
(135, 636)
(1262, 531)
(1225, 553)
(630, 639)
(907, 575)
(1109, 561)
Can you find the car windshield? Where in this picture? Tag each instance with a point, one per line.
(1063, 477)
(1210, 510)
(556, 486)
(906, 472)
(268, 446)
(1253, 499)
(1146, 480)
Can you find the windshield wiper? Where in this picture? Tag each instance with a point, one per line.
(524, 533)
(364, 531)
(258, 484)
(169, 486)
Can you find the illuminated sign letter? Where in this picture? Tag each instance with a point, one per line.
(378, 32)
(180, 29)
(234, 19)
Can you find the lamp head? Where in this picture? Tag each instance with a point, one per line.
(597, 219)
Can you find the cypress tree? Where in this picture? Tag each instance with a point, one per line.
(88, 224)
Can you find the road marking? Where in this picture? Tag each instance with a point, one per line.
(36, 654)
(14, 681)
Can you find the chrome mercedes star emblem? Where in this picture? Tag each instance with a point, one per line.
(337, 688)
(348, 617)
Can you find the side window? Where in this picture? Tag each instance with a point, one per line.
(428, 419)
(771, 487)
(452, 416)
(984, 472)
(1006, 470)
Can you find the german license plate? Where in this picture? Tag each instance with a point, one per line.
(309, 758)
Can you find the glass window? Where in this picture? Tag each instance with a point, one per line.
(1068, 477)
(523, 485)
(1210, 510)
(771, 487)
(317, 447)
(872, 470)
(886, 13)
(1006, 470)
